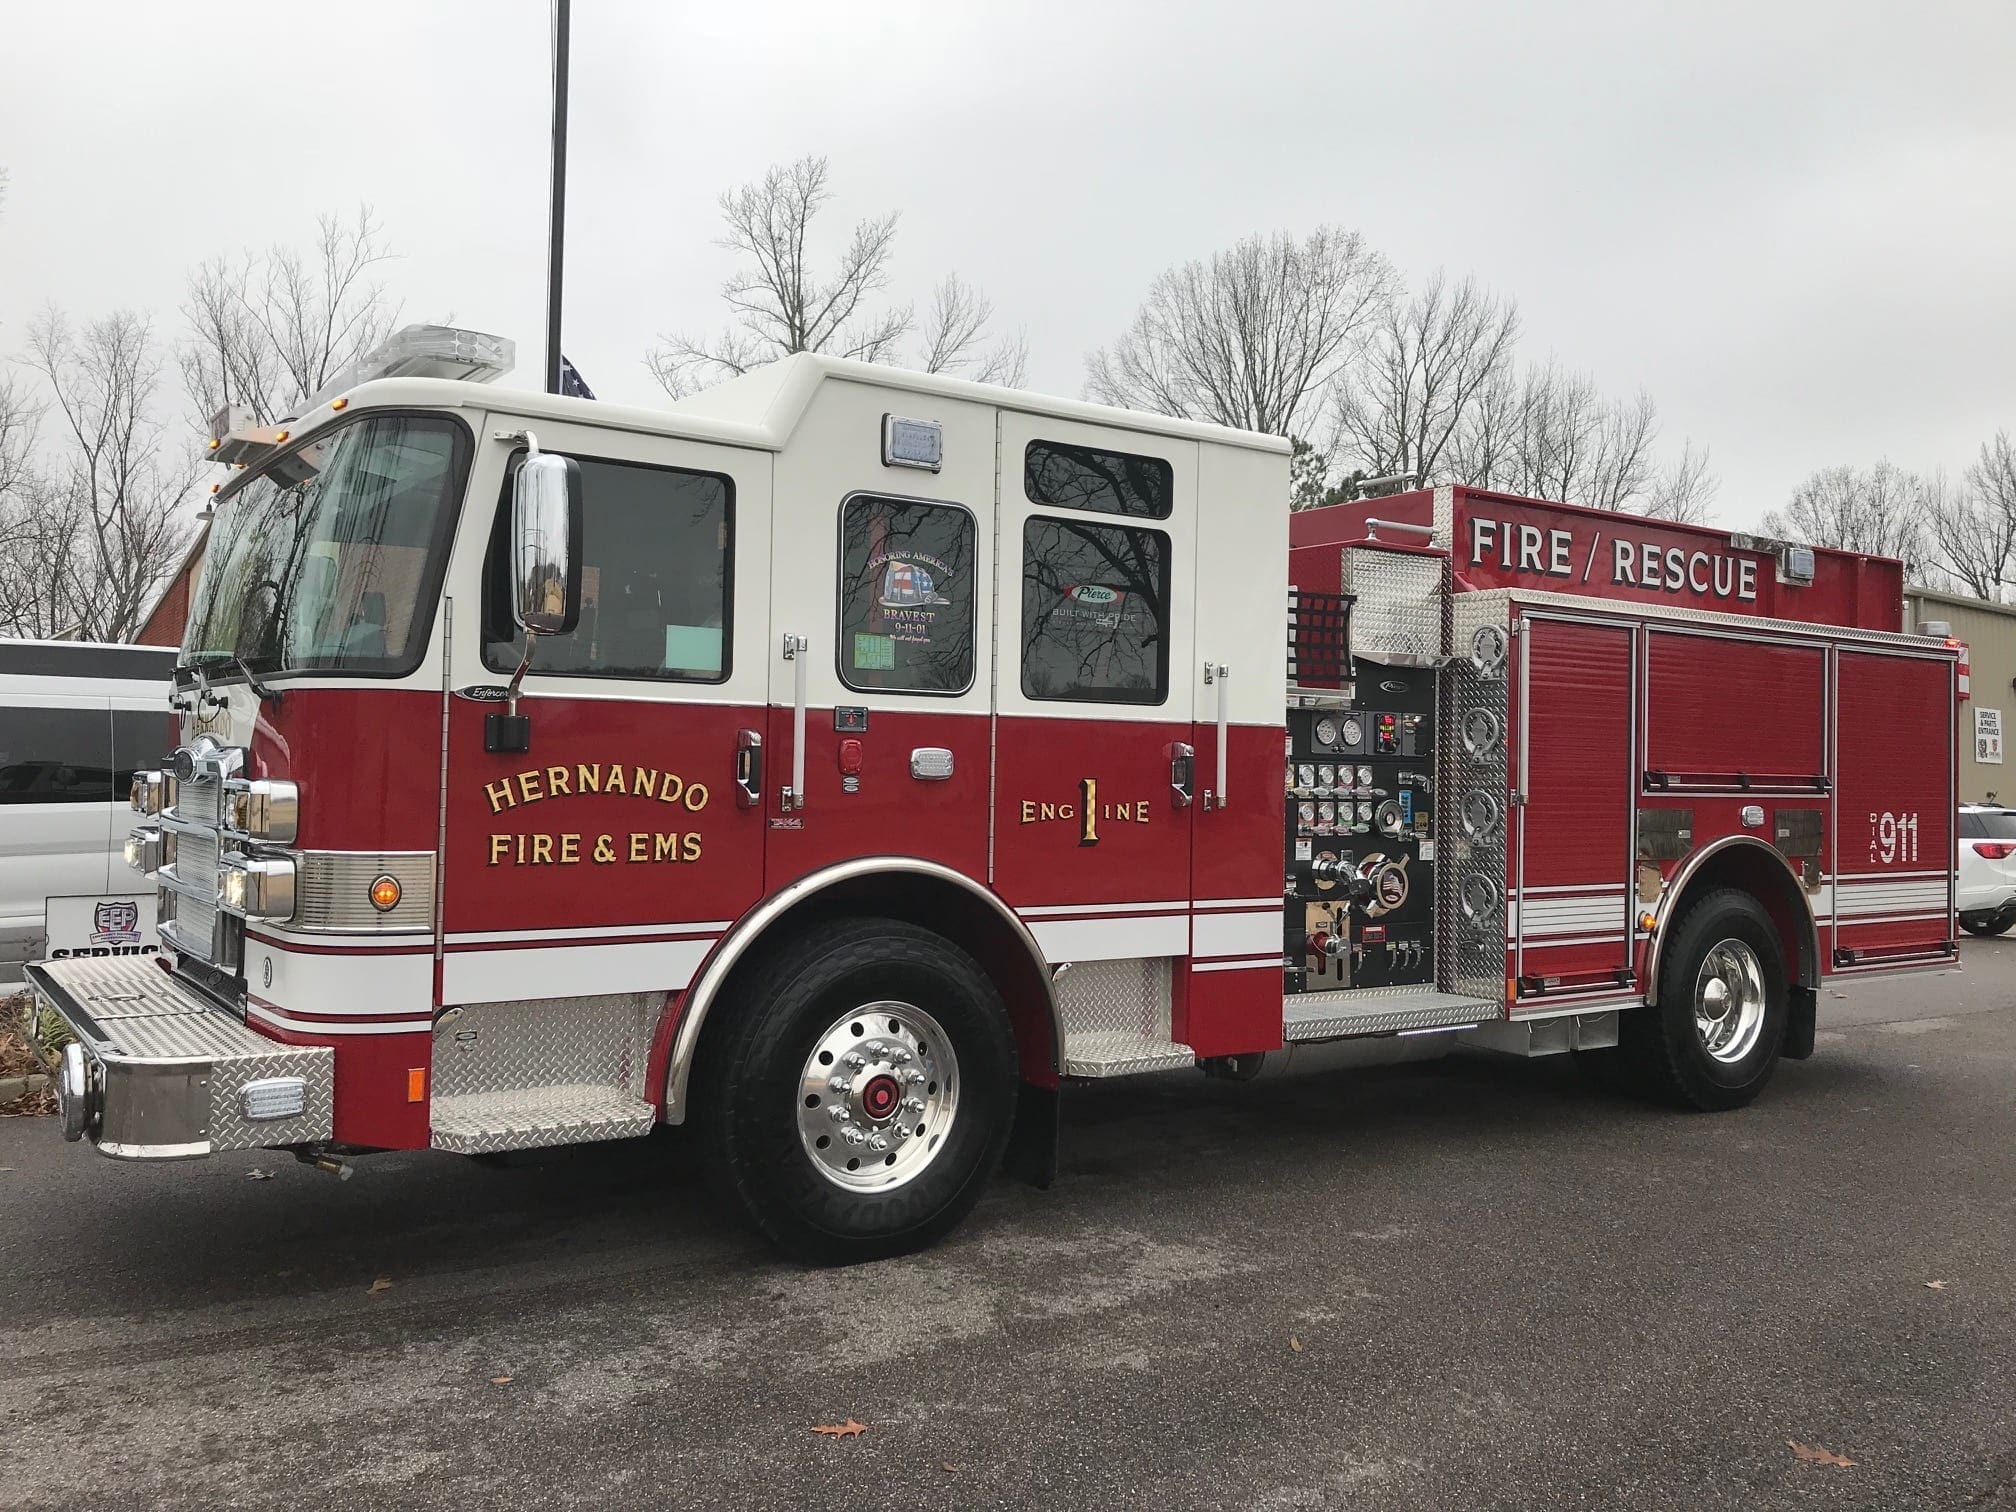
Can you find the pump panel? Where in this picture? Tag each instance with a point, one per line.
(1359, 835)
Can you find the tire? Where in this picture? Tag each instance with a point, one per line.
(1990, 926)
(933, 1041)
(1723, 954)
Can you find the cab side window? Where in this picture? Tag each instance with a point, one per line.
(657, 573)
(906, 596)
(1095, 612)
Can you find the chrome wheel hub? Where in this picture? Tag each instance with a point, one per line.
(1729, 1001)
(878, 1096)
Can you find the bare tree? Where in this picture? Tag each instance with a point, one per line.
(269, 329)
(1879, 511)
(102, 524)
(1685, 490)
(1250, 338)
(1402, 408)
(955, 337)
(782, 305)
(1971, 529)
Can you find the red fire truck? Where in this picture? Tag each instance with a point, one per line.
(842, 760)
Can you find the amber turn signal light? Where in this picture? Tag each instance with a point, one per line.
(385, 894)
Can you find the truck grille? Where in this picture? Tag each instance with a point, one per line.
(192, 923)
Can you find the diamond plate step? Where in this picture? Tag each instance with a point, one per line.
(529, 1118)
(1120, 1054)
(1379, 1010)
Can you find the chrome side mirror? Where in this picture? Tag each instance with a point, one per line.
(546, 542)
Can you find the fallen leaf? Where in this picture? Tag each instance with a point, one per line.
(500, 1380)
(255, 1174)
(1813, 1454)
(383, 1283)
(848, 1429)
(949, 1469)
(1294, 1343)
(1936, 1285)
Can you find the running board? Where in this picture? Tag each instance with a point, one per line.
(530, 1118)
(1380, 1010)
(1124, 1055)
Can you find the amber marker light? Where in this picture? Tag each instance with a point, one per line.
(416, 1084)
(1646, 921)
(215, 442)
(385, 894)
(278, 437)
(337, 404)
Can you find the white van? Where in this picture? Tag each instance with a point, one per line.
(75, 720)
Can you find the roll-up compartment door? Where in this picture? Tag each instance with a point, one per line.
(1571, 916)
(1894, 838)
(1726, 713)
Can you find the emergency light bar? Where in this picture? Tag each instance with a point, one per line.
(424, 351)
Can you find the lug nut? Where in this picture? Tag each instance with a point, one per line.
(839, 1114)
(836, 1084)
(878, 1142)
(913, 1077)
(901, 1057)
(853, 1136)
(914, 1104)
(854, 1060)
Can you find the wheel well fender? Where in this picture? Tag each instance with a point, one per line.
(925, 892)
(1747, 864)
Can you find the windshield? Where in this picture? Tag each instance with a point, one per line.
(329, 559)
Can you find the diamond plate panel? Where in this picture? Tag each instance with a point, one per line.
(1471, 961)
(1331, 1015)
(135, 1016)
(484, 1123)
(1116, 1018)
(541, 1043)
(1398, 614)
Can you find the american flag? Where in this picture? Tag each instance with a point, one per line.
(571, 384)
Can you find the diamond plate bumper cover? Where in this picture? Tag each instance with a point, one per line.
(164, 1068)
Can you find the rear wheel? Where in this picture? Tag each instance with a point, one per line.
(1993, 925)
(1713, 1039)
(859, 1091)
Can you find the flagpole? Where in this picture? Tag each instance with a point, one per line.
(557, 214)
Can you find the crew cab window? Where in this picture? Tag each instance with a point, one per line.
(1105, 482)
(55, 755)
(1095, 606)
(906, 596)
(657, 563)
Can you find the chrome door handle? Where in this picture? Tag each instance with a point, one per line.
(748, 769)
(1182, 773)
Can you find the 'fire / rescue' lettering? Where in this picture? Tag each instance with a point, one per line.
(587, 778)
(1554, 552)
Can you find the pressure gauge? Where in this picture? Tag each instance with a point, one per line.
(1354, 731)
(1305, 776)
(1364, 776)
(1365, 813)
(1305, 815)
(1326, 777)
(1326, 731)
(1326, 816)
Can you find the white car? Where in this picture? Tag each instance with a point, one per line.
(1987, 843)
(75, 720)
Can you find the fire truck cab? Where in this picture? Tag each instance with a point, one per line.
(840, 760)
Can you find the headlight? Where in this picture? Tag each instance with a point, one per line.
(256, 887)
(264, 808)
(145, 793)
(144, 848)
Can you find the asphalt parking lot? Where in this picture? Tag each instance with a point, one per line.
(1477, 1283)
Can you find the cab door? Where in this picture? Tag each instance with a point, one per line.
(613, 853)
(1096, 779)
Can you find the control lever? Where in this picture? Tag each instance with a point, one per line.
(1325, 944)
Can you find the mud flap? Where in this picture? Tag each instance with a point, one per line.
(1032, 1143)
(1800, 1024)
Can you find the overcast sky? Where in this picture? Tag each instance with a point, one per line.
(1793, 222)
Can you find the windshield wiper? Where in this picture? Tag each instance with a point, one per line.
(266, 694)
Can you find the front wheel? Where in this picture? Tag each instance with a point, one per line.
(860, 1092)
(1713, 1039)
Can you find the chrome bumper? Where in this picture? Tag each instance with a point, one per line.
(160, 1073)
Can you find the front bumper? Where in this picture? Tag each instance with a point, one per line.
(160, 1073)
